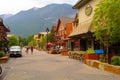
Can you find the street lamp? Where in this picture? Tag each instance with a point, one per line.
(47, 30)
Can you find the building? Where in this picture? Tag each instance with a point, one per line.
(61, 29)
(3, 36)
(38, 38)
(82, 25)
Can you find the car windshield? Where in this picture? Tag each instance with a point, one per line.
(15, 48)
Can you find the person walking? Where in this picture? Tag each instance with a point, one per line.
(31, 48)
(27, 49)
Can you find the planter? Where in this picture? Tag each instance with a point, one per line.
(104, 66)
(64, 53)
(112, 69)
(90, 57)
(4, 59)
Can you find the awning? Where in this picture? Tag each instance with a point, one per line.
(67, 39)
(80, 29)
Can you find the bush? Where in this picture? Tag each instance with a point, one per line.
(103, 58)
(90, 51)
(115, 60)
(2, 54)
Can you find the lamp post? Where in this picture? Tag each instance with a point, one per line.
(47, 30)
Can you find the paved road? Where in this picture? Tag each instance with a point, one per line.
(43, 66)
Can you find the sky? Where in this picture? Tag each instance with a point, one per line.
(15, 6)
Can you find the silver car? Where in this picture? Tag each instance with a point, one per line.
(15, 51)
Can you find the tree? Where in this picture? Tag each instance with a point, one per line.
(43, 41)
(23, 41)
(51, 36)
(106, 23)
(32, 43)
(13, 41)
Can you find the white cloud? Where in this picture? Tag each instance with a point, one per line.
(14, 6)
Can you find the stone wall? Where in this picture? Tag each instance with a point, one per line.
(104, 66)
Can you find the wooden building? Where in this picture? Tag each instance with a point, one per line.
(61, 29)
(3, 36)
(82, 25)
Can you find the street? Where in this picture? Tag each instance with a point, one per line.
(43, 66)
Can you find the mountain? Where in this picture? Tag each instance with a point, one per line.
(5, 16)
(37, 20)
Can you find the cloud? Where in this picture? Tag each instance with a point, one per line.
(45, 2)
(14, 6)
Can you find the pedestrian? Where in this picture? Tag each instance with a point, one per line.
(61, 48)
(27, 49)
(31, 48)
(57, 49)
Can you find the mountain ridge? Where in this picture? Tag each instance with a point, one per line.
(36, 20)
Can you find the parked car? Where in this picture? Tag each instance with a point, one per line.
(15, 51)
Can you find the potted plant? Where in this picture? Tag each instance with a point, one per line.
(3, 58)
(2, 54)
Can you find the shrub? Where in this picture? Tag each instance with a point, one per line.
(90, 51)
(103, 58)
(2, 54)
(115, 60)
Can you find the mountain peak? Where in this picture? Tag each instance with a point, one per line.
(55, 5)
(36, 20)
(5, 16)
(35, 8)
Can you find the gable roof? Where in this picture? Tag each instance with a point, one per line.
(81, 29)
(2, 25)
(64, 21)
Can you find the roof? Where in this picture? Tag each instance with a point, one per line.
(2, 25)
(10, 35)
(7, 28)
(80, 3)
(42, 32)
(81, 29)
(64, 21)
(35, 36)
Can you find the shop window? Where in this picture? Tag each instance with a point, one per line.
(89, 44)
(72, 46)
(83, 45)
(115, 49)
(96, 45)
(77, 45)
